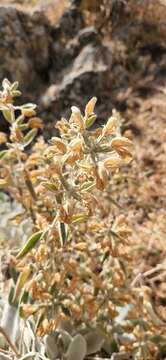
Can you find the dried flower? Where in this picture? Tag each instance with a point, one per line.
(113, 162)
(123, 147)
(77, 118)
(35, 123)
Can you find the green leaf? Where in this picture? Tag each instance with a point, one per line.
(3, 196)
(157, 339)
(10, 297)
(20, 120)
(23, 127)
(30, 244)
(90, 121)
(24, 297)
(79, 218)
(22, 279)
(106, 256)
(14, 274)
(50, 186)
(62, 233)
(29, 137)
(3, 153)
(7, 113)
(89, 185)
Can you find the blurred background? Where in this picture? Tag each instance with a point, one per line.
(63, 52)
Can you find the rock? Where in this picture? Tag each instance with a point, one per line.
(85, 77)
(87, 35)
(71, 22)
(85, 51)
(24, 47)
(24, 51)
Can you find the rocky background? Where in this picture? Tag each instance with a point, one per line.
(64, 52)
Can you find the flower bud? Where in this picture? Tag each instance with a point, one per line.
(89, 109)
(110, 126)
(77, 118)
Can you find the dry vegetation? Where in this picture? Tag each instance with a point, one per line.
(84, 280)
(80, 278)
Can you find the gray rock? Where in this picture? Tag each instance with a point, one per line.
(86, 76)
(24, 46)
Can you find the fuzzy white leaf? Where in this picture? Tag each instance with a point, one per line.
(77, 349)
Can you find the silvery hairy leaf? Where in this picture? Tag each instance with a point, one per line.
(77, 349)
(94, 341)
(65, 338)
(10, 316)
(50, 342)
